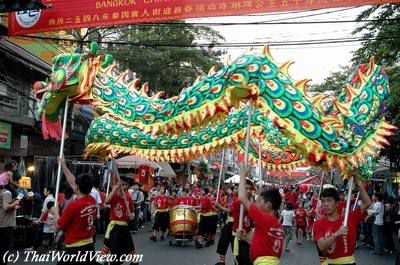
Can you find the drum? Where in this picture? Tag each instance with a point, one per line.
(183, 220)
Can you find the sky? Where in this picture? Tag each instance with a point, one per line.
(311, 61)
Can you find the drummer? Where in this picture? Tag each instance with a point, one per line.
(213, 220)
(173, 199)
(226, 232)
(161, 220)
(205, 224)
(185, 200)
(241, 248)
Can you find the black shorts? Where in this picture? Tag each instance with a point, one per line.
(208, 225)
(120, 241)
(161, 221)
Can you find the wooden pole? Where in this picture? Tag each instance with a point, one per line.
(61, 154)
(220, 174)
(246, 157)
(349, 191)
(319, 192)
(260, 164)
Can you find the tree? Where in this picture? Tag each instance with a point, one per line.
(165, 55)
(381, 36)
(335, 82)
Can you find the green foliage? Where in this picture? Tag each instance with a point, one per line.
(383, 42)
(335, 82)
(381, 35)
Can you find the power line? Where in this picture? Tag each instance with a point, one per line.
(228, 45)
(255, 23)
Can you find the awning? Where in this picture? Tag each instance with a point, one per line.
(166, 170)
(135, 162)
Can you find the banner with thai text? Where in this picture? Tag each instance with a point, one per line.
(70, 14)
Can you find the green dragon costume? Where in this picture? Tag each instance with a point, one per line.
(295, 128)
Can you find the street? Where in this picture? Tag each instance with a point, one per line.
(161, 253)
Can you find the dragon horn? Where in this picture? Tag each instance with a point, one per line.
(107, 61)
(93, 48)
(285, 67)
(228, 61)
(267, 53)
(371, 65)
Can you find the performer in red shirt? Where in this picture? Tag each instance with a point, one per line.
(161, 220)
(185, 200)
(226, 233)
(310, 222)
(300, 218)
(336, 241)
(206, 209)
(291, 197)
(118, 239)
(78, 217)
(267, 241)
(241, 248)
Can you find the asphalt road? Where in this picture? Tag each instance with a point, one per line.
(160, 252)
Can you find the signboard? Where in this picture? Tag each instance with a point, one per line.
(24, 141)
(72, 14)
(25, 182)
(5, 135)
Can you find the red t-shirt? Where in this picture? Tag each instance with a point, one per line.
(344, 245)
(162, 202)
(301, 217)
(185, 200)
(235, 213)
(77, 219)
(196, 200)
(341, 207)
(314, 202)
(118, 211)
(172, 202)
(292, 198)
(206, 205)
(268, 234)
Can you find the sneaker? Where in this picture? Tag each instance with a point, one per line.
(211, 242)
(134, 232)
(154, 238)
(207, 244)
(162, 238)
(376, 253)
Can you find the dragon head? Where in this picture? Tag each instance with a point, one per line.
(71, 76)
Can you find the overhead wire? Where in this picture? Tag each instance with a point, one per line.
(236, 44)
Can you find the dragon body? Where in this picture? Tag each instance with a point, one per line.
(294, 127)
